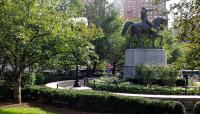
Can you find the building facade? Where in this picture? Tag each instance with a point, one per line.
(132, 8)
(158, 8)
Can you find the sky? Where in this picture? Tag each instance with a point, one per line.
(110, 1)
(170, 16)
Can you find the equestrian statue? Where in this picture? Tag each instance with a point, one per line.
(145, 28)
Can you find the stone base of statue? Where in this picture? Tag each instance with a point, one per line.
(141, 56)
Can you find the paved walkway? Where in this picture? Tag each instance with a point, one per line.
(67, 85)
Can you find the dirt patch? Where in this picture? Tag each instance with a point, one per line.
(3, 104)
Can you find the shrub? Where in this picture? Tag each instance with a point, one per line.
(28, 79)
(180, 82)
(197, 108)
(49, 79)
(102, 101)
(6, 92)
(1, 82)
(160, 82)
(40, 78)
(126, 87)
(8, 78)
(149, 73)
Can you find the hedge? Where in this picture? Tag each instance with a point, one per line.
(140, 89)
(6, 92)
(101, 101)
(49, 79)
(149, 73)
(29, 79)
(160, 82)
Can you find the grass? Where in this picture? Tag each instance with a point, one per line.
(23, 110)
(37, 108)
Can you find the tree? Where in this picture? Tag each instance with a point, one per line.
(188, 27)
(80, 50)
(72, 7)
(31, 32)
(174, 49)
(115, 49)
(104, 16)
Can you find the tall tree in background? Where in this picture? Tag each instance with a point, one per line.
(80, 51)
(31, 32)
(175, 50)
(73, 7)
(115, 50)
(188, 27)
(104, 16)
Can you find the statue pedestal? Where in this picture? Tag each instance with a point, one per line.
(141, 56)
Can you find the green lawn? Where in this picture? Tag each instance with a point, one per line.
(23, 110)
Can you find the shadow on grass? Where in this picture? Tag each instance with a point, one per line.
(40, 108)
(24, 109)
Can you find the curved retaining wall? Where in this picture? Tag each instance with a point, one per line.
(188, 100)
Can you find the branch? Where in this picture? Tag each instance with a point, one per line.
(31, 41)
(174, 7)
(10, 51)
(35, 61)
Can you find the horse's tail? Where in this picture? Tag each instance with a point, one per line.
(126, 26)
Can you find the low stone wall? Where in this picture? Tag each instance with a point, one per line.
(188, 101)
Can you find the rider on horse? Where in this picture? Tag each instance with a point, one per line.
(150, 30)
(144, 16)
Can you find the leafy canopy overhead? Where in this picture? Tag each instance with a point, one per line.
(32, 31)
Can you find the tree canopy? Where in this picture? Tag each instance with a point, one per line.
(188, 29)
(34, 31)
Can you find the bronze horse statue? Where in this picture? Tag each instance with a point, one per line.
(139, 29)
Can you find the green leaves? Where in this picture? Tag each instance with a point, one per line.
(187, 22)
(102, 101)
(32, 32)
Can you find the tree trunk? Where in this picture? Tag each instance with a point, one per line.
(17, 87)
(114, 68)
(94, 69)
(76, 83)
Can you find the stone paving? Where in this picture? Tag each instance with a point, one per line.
(67, 85)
